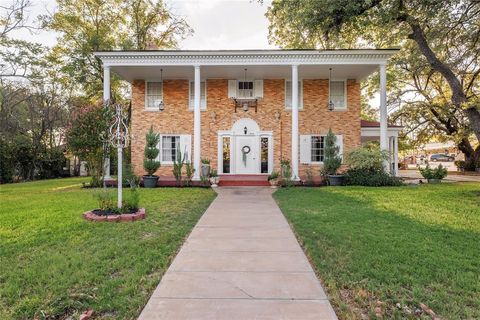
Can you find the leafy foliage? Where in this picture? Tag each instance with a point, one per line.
(332, 160)
(178, 166)
(437, 173)
(150, 164)
(433, 82)
(370, 178)
(367, 158)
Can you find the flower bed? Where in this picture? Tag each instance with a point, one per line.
(96, 215)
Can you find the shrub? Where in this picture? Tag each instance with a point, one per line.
(205, 161)
(460, 164)
(309, 176)
(332, 160)
(273, 176)
(189, 172)
(370, 178)
(130, 201)
(106, 200)
(178, 166)
(286, 172)
(438, 173)
(367, 158)
(213, 173)
(150, 164)
(129, 178)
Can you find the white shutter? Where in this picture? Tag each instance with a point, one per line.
(258, 88)
(203, 95)
(305, 149)
(288, 94)
(339, 143)
(232, 88)
(186, 146)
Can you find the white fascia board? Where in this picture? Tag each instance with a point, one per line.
(184, 58)
(375, 131)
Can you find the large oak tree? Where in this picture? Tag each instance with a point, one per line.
(439, 60)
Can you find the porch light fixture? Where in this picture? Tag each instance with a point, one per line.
(161, 105)
(245, 130)
(331, 105)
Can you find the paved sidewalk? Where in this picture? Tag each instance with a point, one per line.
(241, 261)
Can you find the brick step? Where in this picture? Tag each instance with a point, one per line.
(243, 183)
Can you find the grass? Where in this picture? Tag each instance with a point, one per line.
(53, 264)
(406, 245)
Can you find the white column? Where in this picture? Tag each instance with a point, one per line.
(197, 138)
(383, 110)
(395, 154)
(106, 97)
(295, 175)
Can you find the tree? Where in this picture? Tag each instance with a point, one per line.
(86, 26)
(86, 137)
(441, 36)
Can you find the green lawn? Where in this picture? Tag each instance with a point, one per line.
(407, 245)
(54, 264)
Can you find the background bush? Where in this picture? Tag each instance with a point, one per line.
(370, 178)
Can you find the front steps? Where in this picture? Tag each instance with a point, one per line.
(243, 180)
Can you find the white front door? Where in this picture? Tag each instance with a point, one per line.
(246, 155)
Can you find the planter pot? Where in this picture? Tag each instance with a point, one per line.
(205, 170)
(214, 181)
(335, 179)
(273, 183)
(434, 181)
(150, 181)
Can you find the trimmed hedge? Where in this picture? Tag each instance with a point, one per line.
(370, 178)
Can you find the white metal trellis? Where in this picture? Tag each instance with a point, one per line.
(119, 138)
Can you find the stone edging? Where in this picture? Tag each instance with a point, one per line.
(140, 214)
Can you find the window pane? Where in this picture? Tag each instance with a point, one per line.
(317, 148)
(264, 155)
(154, 94)
(226, 154)
(337, 93)
(170, 146)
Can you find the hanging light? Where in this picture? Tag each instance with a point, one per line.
(245, 103)
(331, 105)
(161, 105)
(245, 106)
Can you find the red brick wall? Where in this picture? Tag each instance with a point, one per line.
(177, 118)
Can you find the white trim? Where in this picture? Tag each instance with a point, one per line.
(243, 57)
(145, 102)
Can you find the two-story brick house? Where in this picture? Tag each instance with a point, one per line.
(246, 110)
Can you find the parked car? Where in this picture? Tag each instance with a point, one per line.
(441, 157)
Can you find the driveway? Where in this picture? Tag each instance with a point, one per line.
(241, 261)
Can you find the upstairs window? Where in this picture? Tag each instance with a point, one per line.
(288, 95)
(338, 94)
(245, 89)
(203, 95)
(153, 95)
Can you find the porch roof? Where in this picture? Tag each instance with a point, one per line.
(230, 64)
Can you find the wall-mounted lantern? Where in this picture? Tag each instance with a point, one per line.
(161, 105)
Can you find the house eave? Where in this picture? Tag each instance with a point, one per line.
(245, 57)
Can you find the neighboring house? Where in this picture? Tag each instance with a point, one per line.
(246, 110)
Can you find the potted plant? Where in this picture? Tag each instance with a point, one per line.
(205, 169)
(214, 178)
(433, 175)
(460, 164)
(273, 179)
(150, 164)
(332, 160)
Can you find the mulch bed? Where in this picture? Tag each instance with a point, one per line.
(99, 215)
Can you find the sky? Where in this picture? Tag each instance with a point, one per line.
(217, 24)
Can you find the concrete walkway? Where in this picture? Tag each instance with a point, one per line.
(241, 261)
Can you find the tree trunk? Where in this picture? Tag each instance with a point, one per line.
(458, 95)
(472, 156)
